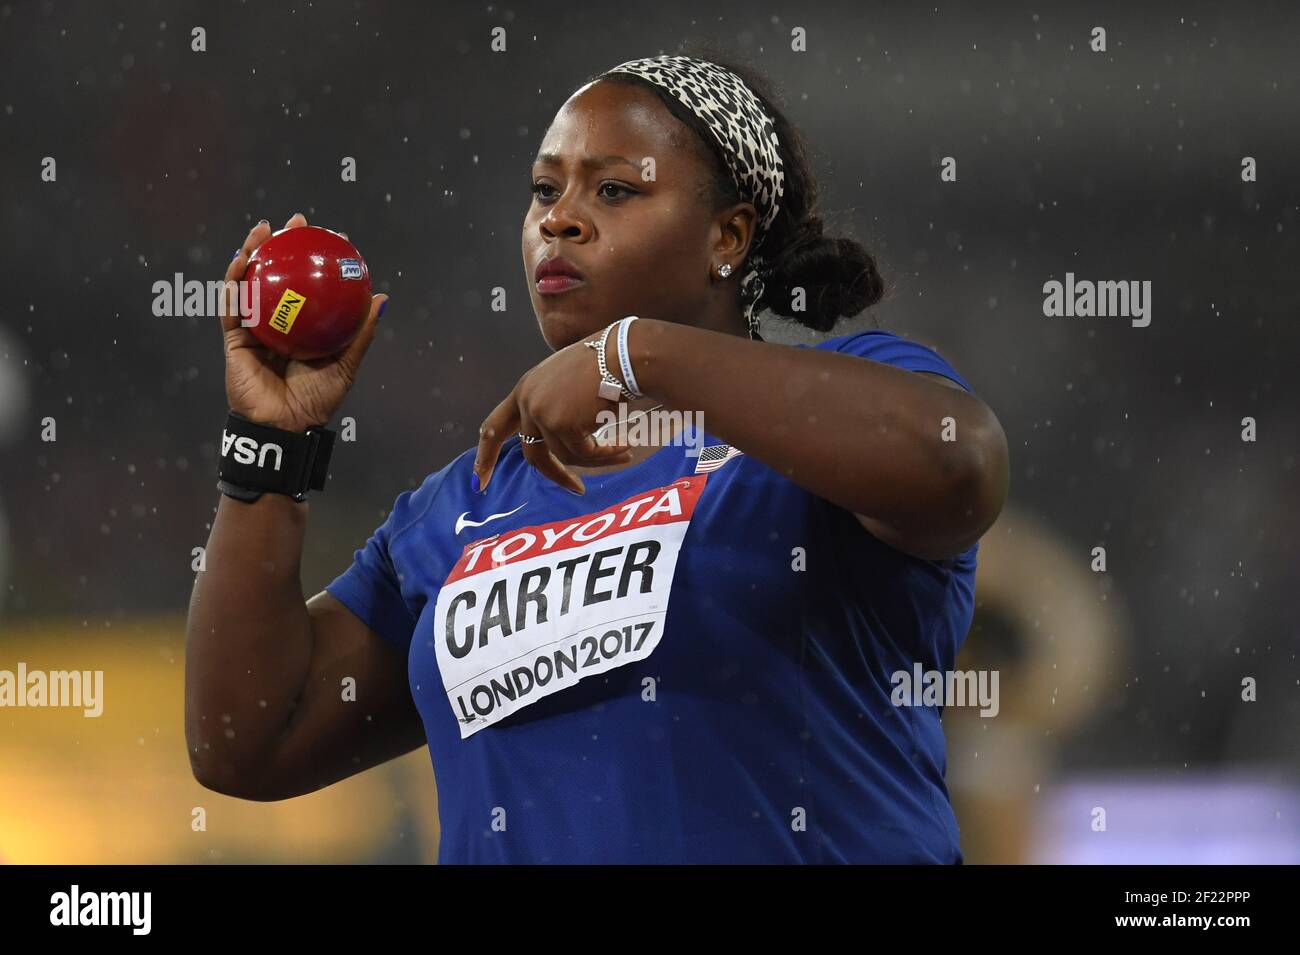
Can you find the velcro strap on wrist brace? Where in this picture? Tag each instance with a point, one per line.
(259, 457)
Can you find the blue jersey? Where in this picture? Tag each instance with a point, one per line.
(691, 663)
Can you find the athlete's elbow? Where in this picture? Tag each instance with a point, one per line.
(977, 477)
(236, 781)
(239, 788)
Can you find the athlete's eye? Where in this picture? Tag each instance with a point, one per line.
(542, 191)
(615, 191)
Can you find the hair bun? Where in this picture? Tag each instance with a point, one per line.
(837, 275)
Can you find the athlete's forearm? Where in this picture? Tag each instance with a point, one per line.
(867, 436)
(248, 639)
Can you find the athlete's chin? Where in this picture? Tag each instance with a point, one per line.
(563, 324)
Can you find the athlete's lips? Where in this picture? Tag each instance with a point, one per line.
(556, 274)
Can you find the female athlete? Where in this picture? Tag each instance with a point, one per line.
(685, 650)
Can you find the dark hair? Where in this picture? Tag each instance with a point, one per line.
(839, 277)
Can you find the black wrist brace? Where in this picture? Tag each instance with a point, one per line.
(256, 458)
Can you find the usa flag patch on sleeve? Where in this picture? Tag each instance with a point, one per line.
(715, 456)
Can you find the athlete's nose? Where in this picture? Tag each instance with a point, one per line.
(562, 219)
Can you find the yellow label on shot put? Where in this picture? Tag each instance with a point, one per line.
(291, 304)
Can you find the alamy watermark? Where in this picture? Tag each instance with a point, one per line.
(921, 687)
(130, 909)
(654, 427)
(1084, 298)
(53, 688)
(179, 298)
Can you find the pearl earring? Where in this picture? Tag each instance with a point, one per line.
(724, 269)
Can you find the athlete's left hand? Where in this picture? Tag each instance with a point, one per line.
(555, 400)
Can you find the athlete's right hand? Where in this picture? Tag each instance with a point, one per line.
(271, 389)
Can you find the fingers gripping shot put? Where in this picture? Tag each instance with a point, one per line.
(673, 652)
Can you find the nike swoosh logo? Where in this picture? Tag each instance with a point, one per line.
(463, 521)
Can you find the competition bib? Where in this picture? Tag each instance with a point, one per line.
(531, 611)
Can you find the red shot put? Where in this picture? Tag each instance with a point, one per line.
(312, 292)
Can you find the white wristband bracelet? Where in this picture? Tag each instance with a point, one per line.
(625, 355)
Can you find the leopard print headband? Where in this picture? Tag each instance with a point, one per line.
(746, 134)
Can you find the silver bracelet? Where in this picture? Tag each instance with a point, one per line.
(610, 387)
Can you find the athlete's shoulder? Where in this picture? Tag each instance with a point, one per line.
(413, 506)
(868, 338)
(891, 348)
(449, 491)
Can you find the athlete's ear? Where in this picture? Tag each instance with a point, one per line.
(735, 233)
